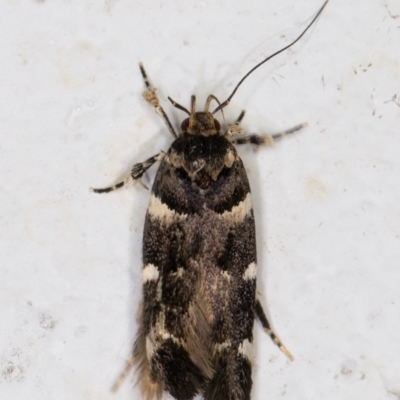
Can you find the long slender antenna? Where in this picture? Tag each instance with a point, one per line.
(227, 101)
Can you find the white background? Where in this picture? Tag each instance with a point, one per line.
(327, 199)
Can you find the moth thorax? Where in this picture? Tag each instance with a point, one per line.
(201, 123)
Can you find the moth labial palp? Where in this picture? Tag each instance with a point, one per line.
(199, 266)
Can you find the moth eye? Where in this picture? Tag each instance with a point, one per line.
(185, 125)
(217, 125)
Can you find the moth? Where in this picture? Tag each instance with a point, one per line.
(199, 269)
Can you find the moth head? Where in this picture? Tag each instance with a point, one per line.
(200, 122)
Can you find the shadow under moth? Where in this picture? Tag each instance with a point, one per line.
(199, 270)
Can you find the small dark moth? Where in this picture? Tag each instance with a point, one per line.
(199, 260)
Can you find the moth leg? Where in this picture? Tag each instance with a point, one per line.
(234, 129)
(124, 373)
(151, 97)
(267, 328)
(267, 140)
(241, 116)
(136, 173)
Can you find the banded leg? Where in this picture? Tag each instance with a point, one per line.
(136, 173)
(267, 328)
(150, 389)
(267, 140)
(241, 116)
(124, 373)
(234, 129)
(150, 96)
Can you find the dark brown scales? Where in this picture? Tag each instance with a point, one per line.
(201, 254)
(199, 260)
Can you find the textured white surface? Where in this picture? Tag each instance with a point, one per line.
(327, 200)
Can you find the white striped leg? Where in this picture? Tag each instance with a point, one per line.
(267, 140)
(124, 373)
(267, 328)
(151, 97)
(234, 129)
(136, 173)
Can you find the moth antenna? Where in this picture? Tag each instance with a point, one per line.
(227, 101)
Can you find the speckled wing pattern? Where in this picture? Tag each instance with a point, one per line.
(199, 271)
